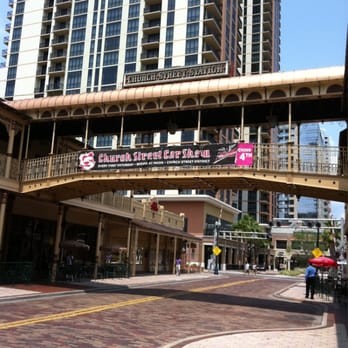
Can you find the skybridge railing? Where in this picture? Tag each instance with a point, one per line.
(309, 159)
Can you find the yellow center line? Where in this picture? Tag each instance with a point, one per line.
(224, 285)
(101, 308)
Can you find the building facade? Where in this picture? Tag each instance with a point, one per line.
(72, 46)
(63, 47)
(311, 135)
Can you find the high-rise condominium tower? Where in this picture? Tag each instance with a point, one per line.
(59, 47)
(73, 46)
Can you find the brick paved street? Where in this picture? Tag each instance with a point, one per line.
(153, 316)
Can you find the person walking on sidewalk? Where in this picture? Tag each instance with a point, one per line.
(310, 275)
(178, 266)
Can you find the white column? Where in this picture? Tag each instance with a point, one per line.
(12, 133)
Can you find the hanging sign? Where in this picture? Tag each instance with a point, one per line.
(190, 155)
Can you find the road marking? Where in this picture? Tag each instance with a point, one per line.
(101, 308)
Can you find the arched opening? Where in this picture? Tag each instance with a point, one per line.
(304, 91)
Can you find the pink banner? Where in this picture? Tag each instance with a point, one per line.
(244, 156)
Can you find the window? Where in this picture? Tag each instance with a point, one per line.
(193, 14)
(168, 62)
(144, 138)
(78, 35)
(255, 68)
(129, 68)
(191, 46)
(133, 11)
(191, 60)
(187, 136)
(20, 7)
(75, 63)
(77, 49)
(193, 3)
(17, 32)
(112, 43)
(81, 7)
(131, 55)
(114, 14)
(79, 21)
(256, 28)
(109, 75)
(281, 244)
(171, 5)
(113, 29)
(132, 40)
(170, 18)
(18, 21)
(15, 46)
(91, 60)
(13, 59)
(169, 50)
(11, 73)
(255, 57)
(74, 79)
(114, 3)
(163, 138)
(73, 91)
(104, 141)
(192, 30)
(110, 58)
(89, 78)
(133, 25)
(10, 85)
(126, 141)
(169, 34)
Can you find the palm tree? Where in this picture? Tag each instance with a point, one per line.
(330, 235)
(248, 224)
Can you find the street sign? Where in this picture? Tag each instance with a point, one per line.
(216, 250)
(317, 252)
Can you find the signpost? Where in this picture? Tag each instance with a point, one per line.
(216, 249)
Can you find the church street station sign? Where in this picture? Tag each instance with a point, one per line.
(179, 74)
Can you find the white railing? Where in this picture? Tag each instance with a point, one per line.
(138, 210)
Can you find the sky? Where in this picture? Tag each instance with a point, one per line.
(313, 35)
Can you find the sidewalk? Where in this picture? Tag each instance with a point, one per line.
(323, 336)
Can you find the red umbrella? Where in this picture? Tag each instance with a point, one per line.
(323, 261)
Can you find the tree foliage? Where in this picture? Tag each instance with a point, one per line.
(247, 224)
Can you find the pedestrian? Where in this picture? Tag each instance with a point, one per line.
(310, 275)
(247, 268)
(178, 266)
(69, 267)
(254, 268)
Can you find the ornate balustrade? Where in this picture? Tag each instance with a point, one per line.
(321, 160)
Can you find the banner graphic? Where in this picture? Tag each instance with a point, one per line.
(191, 155)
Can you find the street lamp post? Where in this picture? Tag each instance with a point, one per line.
(318, 231)
(216, 244)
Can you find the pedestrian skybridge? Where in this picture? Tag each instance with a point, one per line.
(309, 171)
